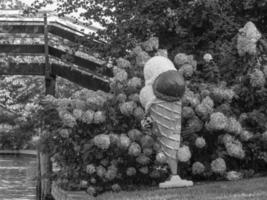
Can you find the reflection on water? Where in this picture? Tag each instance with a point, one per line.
(17, 175)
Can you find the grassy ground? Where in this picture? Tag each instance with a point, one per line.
(248, 189)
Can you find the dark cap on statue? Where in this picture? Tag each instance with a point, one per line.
(169, 86)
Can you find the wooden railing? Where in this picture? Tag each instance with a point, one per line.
(24, 39)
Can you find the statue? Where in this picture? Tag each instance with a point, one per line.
(161, 97)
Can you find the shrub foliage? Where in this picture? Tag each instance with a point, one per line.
(99, 141)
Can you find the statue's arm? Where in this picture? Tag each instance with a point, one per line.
(147, 122)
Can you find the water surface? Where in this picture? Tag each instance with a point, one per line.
(17, 175)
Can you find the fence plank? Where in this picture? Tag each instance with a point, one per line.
(16, 48)
(81, 78)
(22, 69)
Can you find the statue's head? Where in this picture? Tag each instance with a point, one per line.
(156, 66)
(162, 81)
(169, 86)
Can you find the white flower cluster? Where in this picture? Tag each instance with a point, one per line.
(198, 168)
(186, 64)
(221, 94)
(200, 142)
(218, 166)
(85, 106)
(207, 57)
(247, 39)
(102, 141)
(233, 176)
(5, 127)
(184, 154)
(151, 45)
(123, 63)
(234, 126)
(257, 78)
(205, 108)
(233, 147)
(127, 108)
(190, 98)
(218, 122)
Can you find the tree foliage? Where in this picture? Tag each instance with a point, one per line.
(181, 25)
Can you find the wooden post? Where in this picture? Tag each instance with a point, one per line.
(50, 79)
(50, 84)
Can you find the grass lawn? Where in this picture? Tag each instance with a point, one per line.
(247, 189)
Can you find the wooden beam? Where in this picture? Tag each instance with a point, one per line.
(21, 35)
(16, 48)
(90, 65)
(87, 64)
(21, 28)
(50, 89)
(50, 78)
(27, 28)
(22, 41)
(70, 35)
(22, 69)
(82, 78)
(67, 45)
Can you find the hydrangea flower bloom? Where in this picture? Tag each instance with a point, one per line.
(200, 142)
(161, 158)
(233, 176)
(246, 135)
(99, 117)
(121, 76)
(184, 154)
(143, 159)
(90, 169)
(131, 171)
(123, 63)
(134, 149)
(135, 83)
(207, 57)
(77, 113)
(127, 108)
(68, 120)
(234, 126)
(102, 141)
(218, 122)
(257, 78)
(198, 168)
(151, 44)
(235, 149)
(218, 166)
(64, 133)
(88, 117)
(124, 141)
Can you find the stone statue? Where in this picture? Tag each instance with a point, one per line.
(161, 98)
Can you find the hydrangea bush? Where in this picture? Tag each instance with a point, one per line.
(98, 141)
(20, 97)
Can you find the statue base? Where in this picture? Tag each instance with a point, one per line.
(176, 181)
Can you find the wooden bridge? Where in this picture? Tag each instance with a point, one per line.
(50, 47)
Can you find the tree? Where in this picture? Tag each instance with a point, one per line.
(181, 25)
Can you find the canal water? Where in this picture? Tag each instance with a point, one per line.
(17, 177)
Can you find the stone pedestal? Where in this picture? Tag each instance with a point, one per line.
(175, 181)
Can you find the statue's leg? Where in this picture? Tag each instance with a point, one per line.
(173, 164)
(175, 180)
